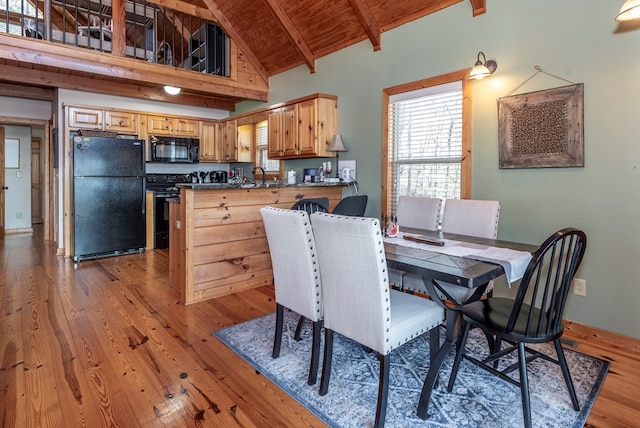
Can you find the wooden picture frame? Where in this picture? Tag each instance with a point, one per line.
(12, 153)
(543, 129)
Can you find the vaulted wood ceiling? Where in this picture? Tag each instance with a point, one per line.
(272, 36)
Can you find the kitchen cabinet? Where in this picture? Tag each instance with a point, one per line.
(218, 141)
(282, 140)
(85, 118)
(174, 126)
(303, 128)
(229, 137)
(122, 122)
(209, 139)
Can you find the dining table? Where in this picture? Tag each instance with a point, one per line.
(465, 261)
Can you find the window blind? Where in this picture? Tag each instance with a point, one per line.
(425, 142)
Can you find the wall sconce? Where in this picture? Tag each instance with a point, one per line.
(630, 10)
(484, 68)
(171, 90)
(337, 146)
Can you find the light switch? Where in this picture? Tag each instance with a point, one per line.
(18, 174)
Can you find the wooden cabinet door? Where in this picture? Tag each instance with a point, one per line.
(123, 122)
(85, 118)
(290, 131)
(246, 142)
(208, 139)
(185, 127)
(307, 135)
(274, 142)
(159, 125)
(229, 138)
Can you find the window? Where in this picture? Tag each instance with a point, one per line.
(270, 166)
(427, 147)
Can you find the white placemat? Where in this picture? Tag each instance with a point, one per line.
(514, 262)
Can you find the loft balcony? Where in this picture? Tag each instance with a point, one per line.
(130, 30)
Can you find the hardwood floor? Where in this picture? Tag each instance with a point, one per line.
(107, 343)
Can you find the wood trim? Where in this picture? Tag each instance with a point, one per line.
(465, 179)
(479, 7)
(28, 92)
(367, 21)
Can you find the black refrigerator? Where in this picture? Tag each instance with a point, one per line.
(108, 197)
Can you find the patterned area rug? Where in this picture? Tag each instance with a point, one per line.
(479, 399)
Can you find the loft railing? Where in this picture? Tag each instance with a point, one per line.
(151, 33)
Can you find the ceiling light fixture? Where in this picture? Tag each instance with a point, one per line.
(171, 90)
(483, 68)
(630, 10)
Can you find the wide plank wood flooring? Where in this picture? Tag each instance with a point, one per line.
(107, 343)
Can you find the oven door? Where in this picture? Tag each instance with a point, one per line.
(161, 219)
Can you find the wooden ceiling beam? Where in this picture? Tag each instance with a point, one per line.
(213, 13)
(28, 92)
(292, 33)
(85, 84)
(479, 7)
(70, 58)
(368, 22)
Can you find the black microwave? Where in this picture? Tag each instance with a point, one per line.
(174, 149)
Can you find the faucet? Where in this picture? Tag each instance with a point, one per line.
(264, 176)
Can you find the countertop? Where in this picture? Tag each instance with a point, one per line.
(197, 186)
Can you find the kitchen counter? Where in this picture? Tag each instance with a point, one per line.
(267, 185)
(217, 242)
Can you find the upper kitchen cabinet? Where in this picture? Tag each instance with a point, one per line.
(303, 128)
(283, 136)
(209, 138)
(122, 122)
(229, 137)
(175, 126)
(218, 141)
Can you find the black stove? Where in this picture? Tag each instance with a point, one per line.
(163, 187)
(166, 183)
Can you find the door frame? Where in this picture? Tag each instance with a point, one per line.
(49, 203)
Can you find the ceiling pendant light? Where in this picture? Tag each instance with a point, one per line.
(630, 10)
(483, 68)
(171, 90)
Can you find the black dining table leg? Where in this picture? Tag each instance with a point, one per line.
(436, 362)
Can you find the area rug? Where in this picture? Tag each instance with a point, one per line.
(479, 399)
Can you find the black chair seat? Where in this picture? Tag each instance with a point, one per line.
(533, 316)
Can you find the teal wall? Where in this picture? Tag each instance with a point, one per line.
(573, 39)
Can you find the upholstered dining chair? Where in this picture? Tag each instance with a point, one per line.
(296, 276)
(358, 301)
(470, 217)
(311, 205)
(352, 205)
(533, 316)
(417, 212)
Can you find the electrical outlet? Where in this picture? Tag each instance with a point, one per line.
(580, 286)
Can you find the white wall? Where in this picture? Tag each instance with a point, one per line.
(573, 39)
(18, 180)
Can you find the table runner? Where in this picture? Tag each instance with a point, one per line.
(514, 262)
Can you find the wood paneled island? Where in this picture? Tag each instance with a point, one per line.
(217, 241)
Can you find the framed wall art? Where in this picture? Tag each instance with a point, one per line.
(542, 129)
